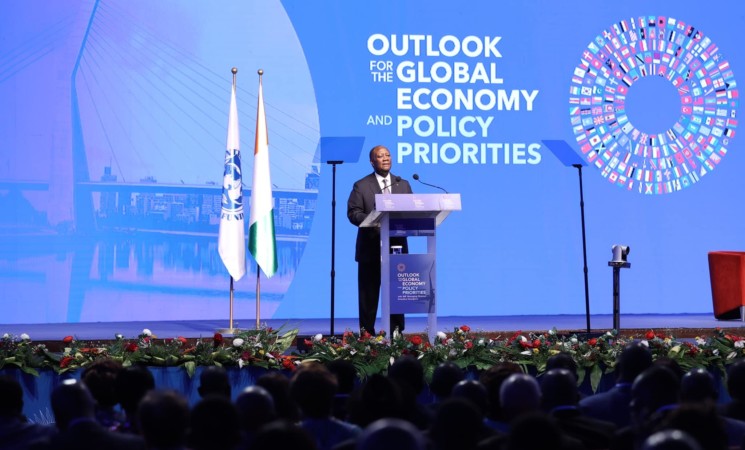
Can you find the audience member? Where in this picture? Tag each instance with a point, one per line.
(560, 401)
(16, 432)
(75, 415)
(100, 379)
(407, 372)
(735, 408)
(444, 377)
(214, 381)
(614, 404)
(164, 420)
(671, 364)
(701, 422)
(132, 383)
(562, 360)
(535, 430)
(518, 395)
(378, 398)
(255, 409)
(492, 380)
(654, 394)
(278, 385)
(391, 434)
(214, 424)
(346, 379)
(457, 425)
(283, 434)
(698, 387)
(313, 388)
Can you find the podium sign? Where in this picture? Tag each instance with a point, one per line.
(412, 283)
(408, 282)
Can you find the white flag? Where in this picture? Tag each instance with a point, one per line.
(231, 244)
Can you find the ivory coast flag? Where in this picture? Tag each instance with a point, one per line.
(261, 240)
(231, 242)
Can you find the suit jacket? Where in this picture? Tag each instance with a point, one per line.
(361, 202)
(611, 406)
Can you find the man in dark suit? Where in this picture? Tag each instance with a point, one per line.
(367, 252)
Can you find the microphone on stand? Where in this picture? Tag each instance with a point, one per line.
(416, 177)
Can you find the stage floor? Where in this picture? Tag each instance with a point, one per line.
(680, 325)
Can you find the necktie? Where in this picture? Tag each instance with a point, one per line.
(386, 186)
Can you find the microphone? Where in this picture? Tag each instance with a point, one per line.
(416, 177)
(395, 181)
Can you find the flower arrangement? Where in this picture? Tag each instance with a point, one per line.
(264, 347)
(271, 349)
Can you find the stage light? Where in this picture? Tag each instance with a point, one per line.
(620, 252)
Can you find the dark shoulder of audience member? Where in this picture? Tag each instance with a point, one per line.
(346, 380)
(164, 419)
(283, 434)
(391, 434)
(278, 385)
(214, 424)
(132, 383)
(16, 432)
(313, 388)
(534, 430)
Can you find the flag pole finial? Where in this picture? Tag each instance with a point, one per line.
(234, 70)
(260, 72)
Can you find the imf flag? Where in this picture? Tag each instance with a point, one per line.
(232, 240)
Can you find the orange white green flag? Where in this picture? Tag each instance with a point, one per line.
(261, 238)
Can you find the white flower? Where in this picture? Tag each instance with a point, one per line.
(609, 334)
(119, 336)
(6, 336)
(523, 338)
(25, 337)
(318, 337)
(391, 361)
(715, 352)
(573, 340)
(442, 335)
(739, 344)
(731, 355)
(644, 342)
(237, 342)
(700, 341)
(551, 332)
(241, 363)
(147, 332)
(526, 352)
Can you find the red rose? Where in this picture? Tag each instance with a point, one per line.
(131, 347)
(217, 339)
(469, 344)
(427, 345)
(416, 340)
(649, 335)
(308, 342)
(537, 343)
(465, 328)
(525, 344)
(592, 341)
(181, 339)
(64, 362)
(287, 364)
(246, 355)
(68, 339)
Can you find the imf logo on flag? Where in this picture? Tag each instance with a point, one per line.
(401, 267)
(687, 97)
(232, 192)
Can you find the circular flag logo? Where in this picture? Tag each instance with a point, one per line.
(617, 139)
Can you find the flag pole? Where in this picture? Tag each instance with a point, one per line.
(258, 296)
(233, 145)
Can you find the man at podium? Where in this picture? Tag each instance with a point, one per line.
(367, 251)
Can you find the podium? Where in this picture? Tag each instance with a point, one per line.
(408, 281)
